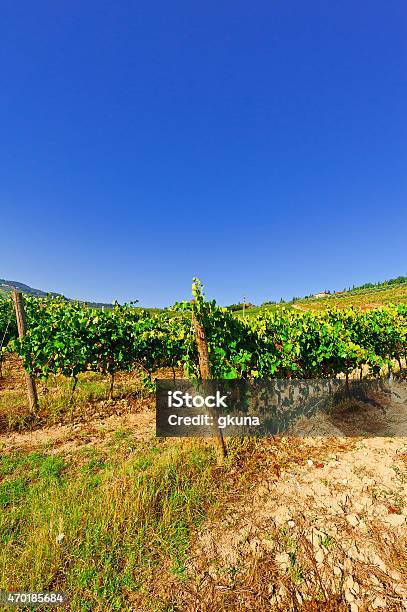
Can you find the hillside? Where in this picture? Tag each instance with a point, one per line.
(6, 286)
(369, 295)
(364, 297)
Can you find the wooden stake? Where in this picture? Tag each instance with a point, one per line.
(206, 374)
(31, 388)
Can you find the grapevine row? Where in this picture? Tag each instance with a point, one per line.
(69, 338)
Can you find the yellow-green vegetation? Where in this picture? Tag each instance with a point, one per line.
(258, 310)
(364, 298)
(102, 525)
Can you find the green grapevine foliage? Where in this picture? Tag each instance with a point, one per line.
(69, 338)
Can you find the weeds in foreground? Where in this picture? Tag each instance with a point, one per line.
(101, 526)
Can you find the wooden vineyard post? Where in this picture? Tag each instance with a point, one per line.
(31, 388)
(206, 374)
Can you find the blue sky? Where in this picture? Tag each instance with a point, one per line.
(260, 146)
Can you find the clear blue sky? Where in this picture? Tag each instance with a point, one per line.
(261, 146)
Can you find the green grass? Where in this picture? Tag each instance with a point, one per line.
(102, 526)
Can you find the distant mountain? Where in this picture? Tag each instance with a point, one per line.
(8, 285)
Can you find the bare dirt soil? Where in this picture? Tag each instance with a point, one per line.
(70, 438)
(90, 420)
(326, 532)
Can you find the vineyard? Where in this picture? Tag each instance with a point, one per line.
(68, 339)
(94, 504)
(365, 298)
